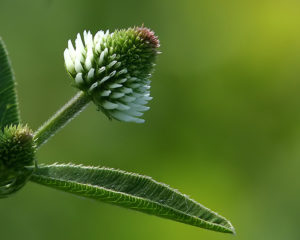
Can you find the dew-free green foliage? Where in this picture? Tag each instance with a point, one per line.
(18, 144)
(9, 113)
(130, 190)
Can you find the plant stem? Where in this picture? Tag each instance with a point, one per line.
(61, 118)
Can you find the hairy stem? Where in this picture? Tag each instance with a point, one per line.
(61, 118)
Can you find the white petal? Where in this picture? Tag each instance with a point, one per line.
(144, 88)
(123, 71)
(111, 64)
(122, 80)
(88, 63)
(117, 95)
(109, 105)
(147, 98)
(133, 79)
(94, 85)
(101, 70)
(133, 112)
(122, 106)
(91, 73)
(140, 101)
(115, 85)
(106, 93)
(79, 79)
(101, 57)
(68, 61)
(79, 55)
(98, 36)
(112, 73)
(85, 36)
(98, 47)
(89, 58)
(137, 95)
(128, 99)
(139, 107)
(67, 55)
(71, 49)
(138, 120)
(105, 51)
(104, 79)
(88, 39)
(78, 43)
(122, 116)
(135, 85)
(126, 118)
(126, 90)
(90, 53)
(78, 66)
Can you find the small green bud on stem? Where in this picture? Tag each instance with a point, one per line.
(17, 153)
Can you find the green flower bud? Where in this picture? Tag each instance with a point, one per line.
(17, 152)
(114, 69)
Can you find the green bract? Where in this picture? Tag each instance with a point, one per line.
(114, 69)
(16, 155)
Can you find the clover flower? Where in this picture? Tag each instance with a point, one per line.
(114, 69)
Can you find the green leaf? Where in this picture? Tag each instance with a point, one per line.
(9, 113)
(132, 191)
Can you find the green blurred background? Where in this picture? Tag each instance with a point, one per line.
(224, 125)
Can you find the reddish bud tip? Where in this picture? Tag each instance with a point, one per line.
(147, 35)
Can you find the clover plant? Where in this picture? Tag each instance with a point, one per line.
(113, 71)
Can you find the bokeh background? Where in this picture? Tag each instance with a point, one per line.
(224, 125)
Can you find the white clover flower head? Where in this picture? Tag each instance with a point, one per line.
(114, 69)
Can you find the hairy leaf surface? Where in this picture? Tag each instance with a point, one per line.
(9, 113)
(132, 191)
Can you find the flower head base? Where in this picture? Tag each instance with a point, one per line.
(114, 69)
(17, 152)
